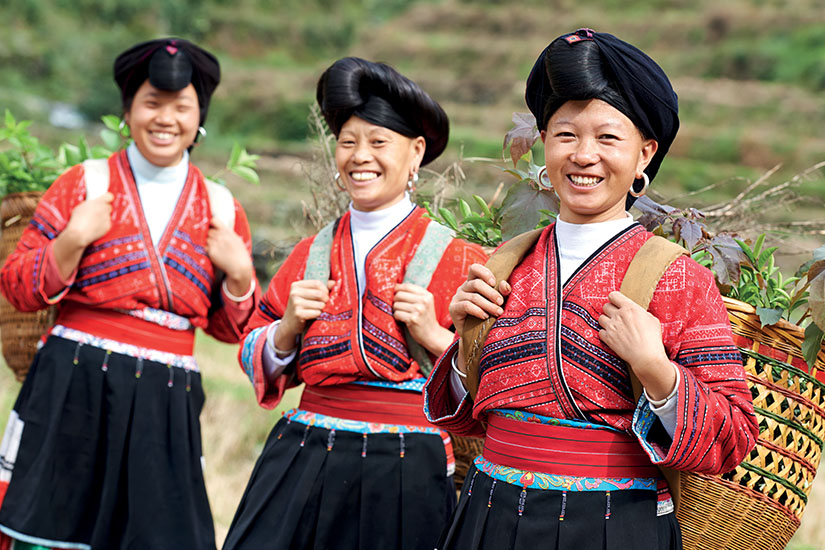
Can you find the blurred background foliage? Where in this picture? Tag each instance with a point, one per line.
(750, 74)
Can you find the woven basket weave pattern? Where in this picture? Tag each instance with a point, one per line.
(19, 332)
(760, 503)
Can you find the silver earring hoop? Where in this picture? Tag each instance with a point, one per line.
(122, 125)
(202, 131)
(337, 179)
(543, 180)
(636, 194)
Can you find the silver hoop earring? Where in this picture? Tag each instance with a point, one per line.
(636, 194)
(202, 131)
(543, 180)
(122, 125)
(337, 179)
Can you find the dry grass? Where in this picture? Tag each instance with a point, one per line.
(235, 427)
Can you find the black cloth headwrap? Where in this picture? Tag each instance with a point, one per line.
(169, 64)
(648, 94)
(380, 95)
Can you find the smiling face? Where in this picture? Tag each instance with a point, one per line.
(593, 153)
(163, 123)
(375, 163)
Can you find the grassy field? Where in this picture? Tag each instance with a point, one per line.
(235, 428)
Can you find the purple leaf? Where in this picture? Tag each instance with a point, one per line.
(727, 255)
(689, 230)
(520, 208)
(522, 136)
(646, 205)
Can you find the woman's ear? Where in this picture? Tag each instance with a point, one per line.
(419, 145)
(649, 148)
(543, 135)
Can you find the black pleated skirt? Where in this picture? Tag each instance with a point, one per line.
(313, 488)
(108, 459)
(495, 515)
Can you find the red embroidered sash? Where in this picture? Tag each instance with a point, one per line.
(366, 404)
(107, 323)
(565, 450)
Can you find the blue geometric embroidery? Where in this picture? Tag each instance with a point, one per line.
(385, 355)
(385, 338)
(86, 271)
(379, 303)
(188, 240)
(311, 355)
(180, 268)
(184, 257)
(113, 242)
(248, 351)
(112, 274)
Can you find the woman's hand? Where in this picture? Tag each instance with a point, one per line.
(636, 336)
(228, 253)
(306, 301)
(478, 297)
(89, 221)
(414, 306)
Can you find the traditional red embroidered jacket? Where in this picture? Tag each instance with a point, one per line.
(544, 355)
(354, 339)
(123, 269)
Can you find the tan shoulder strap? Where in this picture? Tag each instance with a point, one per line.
(221, 202)
(647, 267)
(640, 281)
(96, 177)
(501, 263)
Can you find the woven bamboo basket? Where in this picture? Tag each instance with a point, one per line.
(759, 504)
(465, 449)
(19, 332)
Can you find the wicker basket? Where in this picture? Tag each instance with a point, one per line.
(465, 449)
(759, 505)
(19, 332)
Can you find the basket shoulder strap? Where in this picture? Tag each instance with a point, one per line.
(96, 177)
(221, 202)
(420, 272)
(317, 267)
(647, 267)
(640, 281)
(501, 263)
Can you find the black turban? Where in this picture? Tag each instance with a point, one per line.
(169, 64)
(647, 98)
(380, 95)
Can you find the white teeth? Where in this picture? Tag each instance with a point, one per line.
(364, 176)
(584, 180)
(163, 135)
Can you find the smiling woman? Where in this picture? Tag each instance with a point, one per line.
(375, 163)
(570, 455)
(358, 312)
(103, 448)
(163, 123)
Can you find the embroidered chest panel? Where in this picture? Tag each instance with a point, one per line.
(125, 266)
(544, 354)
